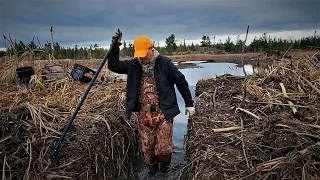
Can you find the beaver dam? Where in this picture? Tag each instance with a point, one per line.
(98, 145)
(264, 126)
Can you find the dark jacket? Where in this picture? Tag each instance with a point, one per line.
(166, 75)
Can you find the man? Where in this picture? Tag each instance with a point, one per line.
(150, 91)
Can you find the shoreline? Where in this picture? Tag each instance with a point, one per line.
(231, 58)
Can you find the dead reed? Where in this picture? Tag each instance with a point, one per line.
(271, 134)
(97, 146)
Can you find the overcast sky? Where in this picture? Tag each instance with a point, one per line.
(85, 22)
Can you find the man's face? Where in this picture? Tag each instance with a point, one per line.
(148, 57)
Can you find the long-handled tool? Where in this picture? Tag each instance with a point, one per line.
(58, 143)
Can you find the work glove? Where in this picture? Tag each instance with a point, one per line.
(190, 111)
(118, 33)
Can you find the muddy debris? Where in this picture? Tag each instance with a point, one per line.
(264, 126)
(97, 146)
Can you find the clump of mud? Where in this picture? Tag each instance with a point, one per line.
(246, 128)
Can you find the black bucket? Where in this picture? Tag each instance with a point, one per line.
(82, 73)
(24, 75)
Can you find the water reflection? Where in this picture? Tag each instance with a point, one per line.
(209, 70)
(248, 68)
(193, 73)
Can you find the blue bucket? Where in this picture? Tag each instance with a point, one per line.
(82, 73)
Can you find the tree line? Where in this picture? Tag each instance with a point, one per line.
(172, 47)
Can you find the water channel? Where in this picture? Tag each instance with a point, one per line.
(193, 72)
(200, 70)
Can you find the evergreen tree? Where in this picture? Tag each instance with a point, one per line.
(171, 45)
(228, 45)
(193, 48)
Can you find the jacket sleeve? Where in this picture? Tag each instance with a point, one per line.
(114, 63)
(176, 77)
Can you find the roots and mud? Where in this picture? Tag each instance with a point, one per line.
(264, 126)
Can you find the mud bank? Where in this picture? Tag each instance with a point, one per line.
(237, 58)
(264, 127)
(227, 58)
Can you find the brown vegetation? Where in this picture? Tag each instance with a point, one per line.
(265, 126)
(272, 130)
(98, 144)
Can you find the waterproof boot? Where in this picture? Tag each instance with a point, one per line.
(153, 168)
(164, 162)
(164, 167)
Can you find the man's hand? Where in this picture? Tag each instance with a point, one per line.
(117, 34)
(190, 111)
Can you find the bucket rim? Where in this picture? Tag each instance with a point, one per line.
(24, 68)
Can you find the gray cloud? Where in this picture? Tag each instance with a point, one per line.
(85, 22)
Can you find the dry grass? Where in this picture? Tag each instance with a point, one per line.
(213, 57)
(98, 144)
(278, 125)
